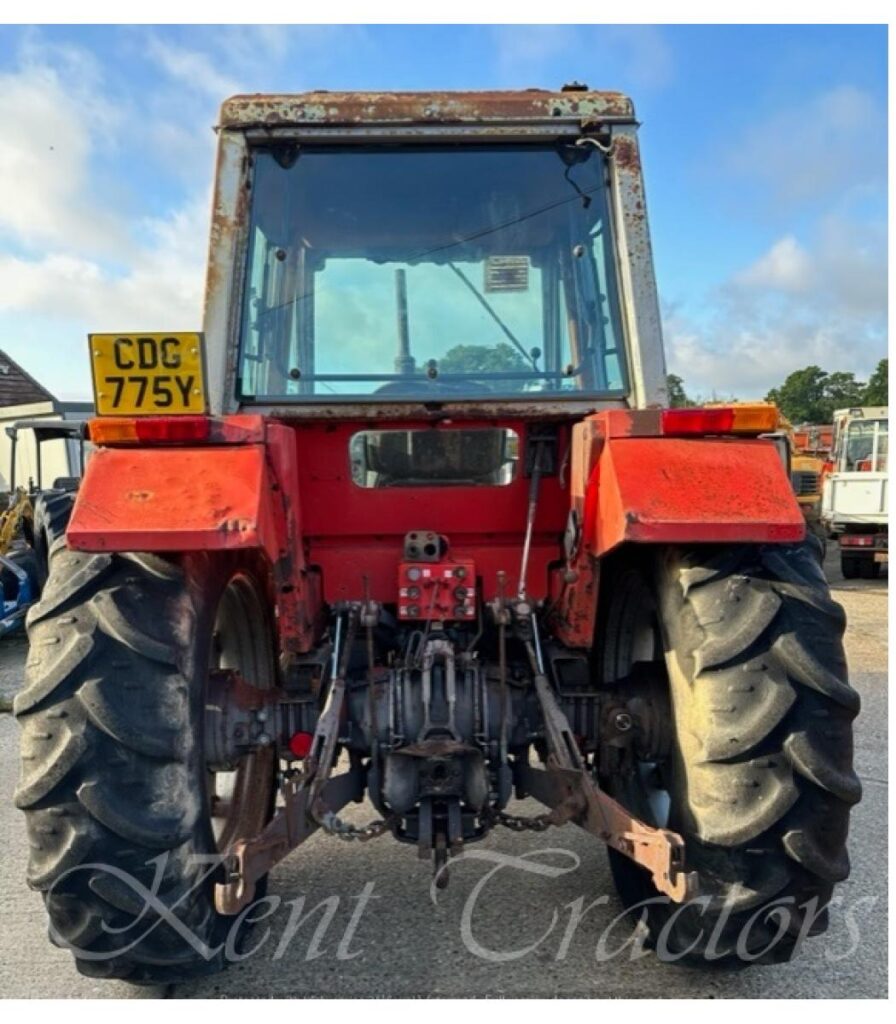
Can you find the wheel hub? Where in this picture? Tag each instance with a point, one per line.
(236, 720)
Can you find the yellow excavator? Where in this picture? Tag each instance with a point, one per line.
(15, 518)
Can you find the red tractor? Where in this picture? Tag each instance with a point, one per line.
(410, 522)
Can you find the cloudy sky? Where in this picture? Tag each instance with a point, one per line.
(764, 148)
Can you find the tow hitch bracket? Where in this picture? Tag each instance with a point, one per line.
(569, 788)
(249, 860)
(576, 797)
(311, 799)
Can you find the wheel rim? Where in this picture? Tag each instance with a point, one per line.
(644, 790)
(240, 800)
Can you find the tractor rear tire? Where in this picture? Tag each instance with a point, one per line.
(757, 776)
(114, 783)
(52, 511)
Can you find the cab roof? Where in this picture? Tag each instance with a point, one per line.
(576, 104)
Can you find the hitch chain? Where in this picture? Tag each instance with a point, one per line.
(523, 823)
(333, 825)
(559, 816)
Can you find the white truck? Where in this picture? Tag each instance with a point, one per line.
(854, 497)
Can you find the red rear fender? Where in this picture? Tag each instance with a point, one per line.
(675, 491)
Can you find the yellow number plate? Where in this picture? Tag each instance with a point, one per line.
(147, 374)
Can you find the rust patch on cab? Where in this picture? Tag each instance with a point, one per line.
(404, 108)
(625, 152)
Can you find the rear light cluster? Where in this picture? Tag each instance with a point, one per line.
(735, 419)
(857, 540)
(149, 429)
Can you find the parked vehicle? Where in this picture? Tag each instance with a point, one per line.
(36, 516)
(810, 450)
(855, 502)
(18, 566)
(414, 498)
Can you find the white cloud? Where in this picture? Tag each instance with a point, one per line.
(816, 295)
(785, 267)
(832, 147)
(851, 266)
(180, 151)
(160, 290)
(50, 130)
(746, 360)
(261, 51)
(193, 68)
(844, 270)
(524, 48)
(77, 251)
(48, 305)
(823, 302)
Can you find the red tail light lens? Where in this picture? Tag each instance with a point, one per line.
(149, 430)
(173, 428)
(857, 541)
(698, 421)
(747, 418)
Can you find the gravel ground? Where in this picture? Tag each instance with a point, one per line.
(402, 945)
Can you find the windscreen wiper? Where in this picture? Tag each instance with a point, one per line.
(486, 305)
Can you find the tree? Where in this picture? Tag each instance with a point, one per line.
(801, 396)
(678, 398)
(475, 359)
(877, 392)
(811, 395)
(843, 390)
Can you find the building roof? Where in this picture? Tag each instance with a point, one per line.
(17, 386)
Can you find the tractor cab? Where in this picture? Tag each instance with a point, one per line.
(422, 248)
